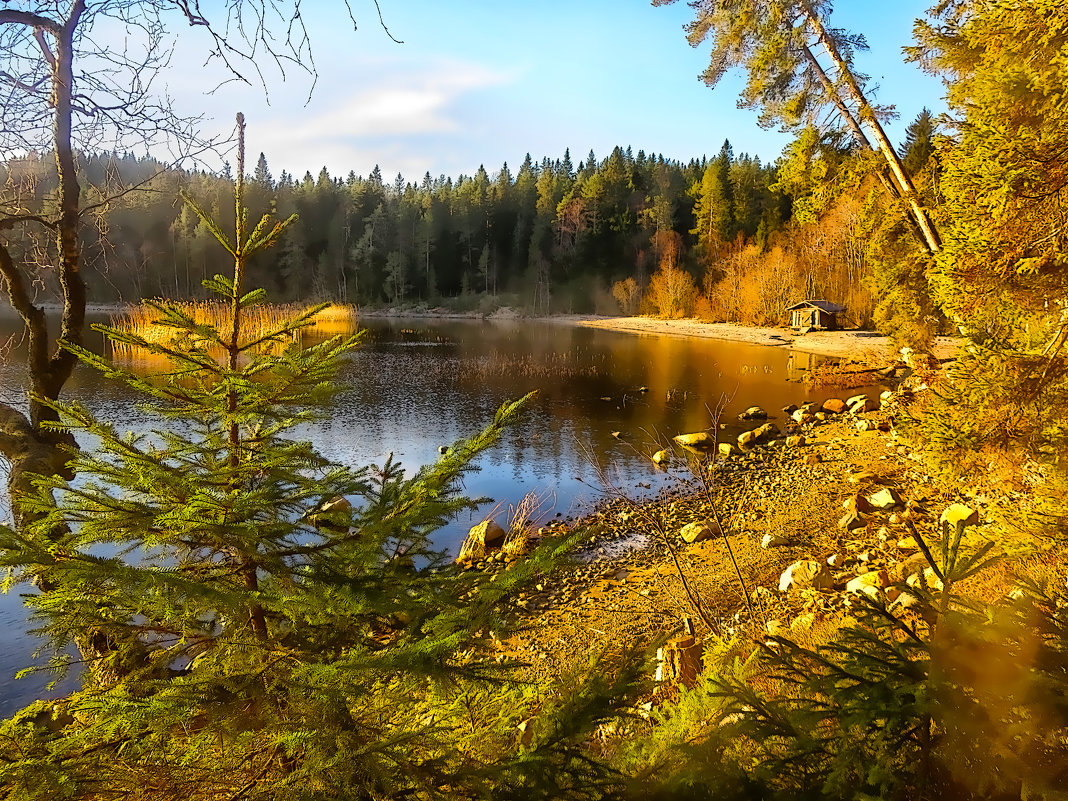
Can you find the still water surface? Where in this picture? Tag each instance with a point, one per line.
(418, 384)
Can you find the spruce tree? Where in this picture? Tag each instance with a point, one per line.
(269, 624)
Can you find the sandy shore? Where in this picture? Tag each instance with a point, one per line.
(868, 345)
(825, 343)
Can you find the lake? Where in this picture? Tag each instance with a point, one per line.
(416, 385)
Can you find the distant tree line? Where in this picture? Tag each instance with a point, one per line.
(551, 236)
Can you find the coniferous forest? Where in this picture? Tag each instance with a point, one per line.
(247, 619)
(551, 236)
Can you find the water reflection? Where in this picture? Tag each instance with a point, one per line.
(417, 384)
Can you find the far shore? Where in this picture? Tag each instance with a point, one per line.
(847, 343)
(850, 343)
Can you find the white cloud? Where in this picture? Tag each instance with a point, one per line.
(346, 126)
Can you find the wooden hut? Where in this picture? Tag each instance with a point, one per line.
(815, 314)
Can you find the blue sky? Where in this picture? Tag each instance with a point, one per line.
(481, 82)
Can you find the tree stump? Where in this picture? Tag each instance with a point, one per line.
(679, 661)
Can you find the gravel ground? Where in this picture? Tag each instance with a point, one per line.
(627, 587)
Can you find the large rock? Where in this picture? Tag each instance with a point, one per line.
(661, 457)
(726, 450)
(753, 413)
(806, 573)
(698, 441)
(748, 438)
(698, 531)
(833, 406)
(802, 416)
(481, 539)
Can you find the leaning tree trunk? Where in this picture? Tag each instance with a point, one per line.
(862, 138)
(905, 187)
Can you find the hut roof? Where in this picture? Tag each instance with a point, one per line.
(822, 305)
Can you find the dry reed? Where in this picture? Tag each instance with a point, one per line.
(523, 517)
(257, 322)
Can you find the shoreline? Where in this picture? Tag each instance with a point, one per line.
(850, 343)
(837, 503)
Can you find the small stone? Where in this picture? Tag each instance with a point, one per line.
(617, 434)
(896, 519)
(701, 441)
(789, 409)
(753, 413)
(908, 544)
(852, 521)
(916, 563)
(661, 457)
(726, 450)
(821, 416)
(856, 400)
(795, 441)
(806, 573)
(747, 438)
(443, 449)
(833, 406)
(481, 538)
(958, 513)
(857, 503)
(867, 584)
(866, 425)
(885, 499)
(698, 532)
(526, 732)
(930, 578)
(767, 431)
(813, 458)
(774, 541)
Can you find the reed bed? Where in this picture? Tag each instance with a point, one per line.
(256, 322)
